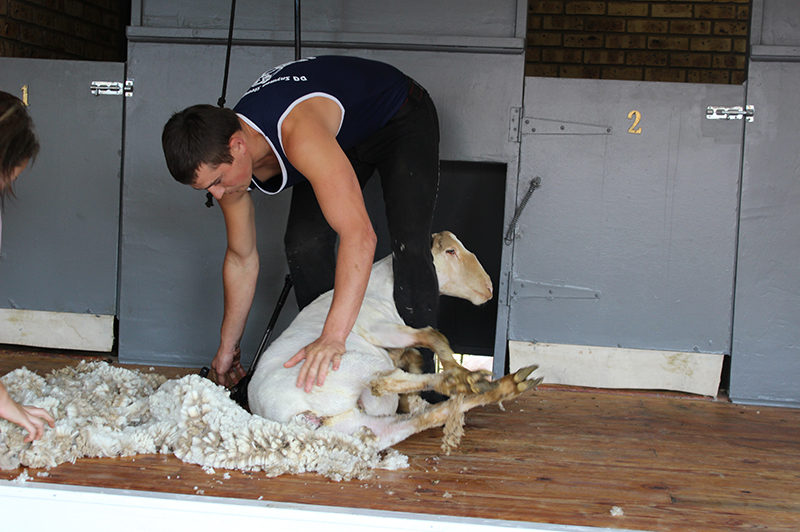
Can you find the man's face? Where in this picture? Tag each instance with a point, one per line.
(226, 178)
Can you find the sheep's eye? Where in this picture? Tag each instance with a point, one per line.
(451, 251)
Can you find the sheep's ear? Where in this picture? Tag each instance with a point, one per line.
(436, 242)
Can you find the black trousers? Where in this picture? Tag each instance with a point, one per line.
(405, 152)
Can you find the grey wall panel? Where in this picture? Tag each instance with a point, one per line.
(417, 17)
(766, 331)
(779, 24)
(766, 357)
(60, 235)
(634, 234)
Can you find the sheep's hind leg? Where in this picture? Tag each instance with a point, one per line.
(393, 429)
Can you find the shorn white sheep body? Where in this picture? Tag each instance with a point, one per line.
(363, 392)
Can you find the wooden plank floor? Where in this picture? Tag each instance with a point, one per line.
(558, 455)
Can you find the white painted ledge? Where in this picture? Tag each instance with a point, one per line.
(39, 506)
(57, 330)
(606, 367)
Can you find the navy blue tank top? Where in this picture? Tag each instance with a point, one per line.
(368, 92)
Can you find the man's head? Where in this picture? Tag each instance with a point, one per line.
(18, 143)
(198, 135)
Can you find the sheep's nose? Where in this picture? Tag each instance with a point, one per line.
(488, 291)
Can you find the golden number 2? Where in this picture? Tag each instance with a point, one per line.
(636, 116)
(25, 95)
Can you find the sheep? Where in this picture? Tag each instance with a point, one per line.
(363, 392)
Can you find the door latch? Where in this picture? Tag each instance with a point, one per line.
(112, 88)
(731, 113)
(536, 182)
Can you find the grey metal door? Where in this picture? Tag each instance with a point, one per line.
(631, 239)
(765, 364)
(60, 234)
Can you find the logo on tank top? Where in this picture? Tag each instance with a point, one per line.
(268, 77)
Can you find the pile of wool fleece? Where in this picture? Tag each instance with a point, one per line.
(104, 410)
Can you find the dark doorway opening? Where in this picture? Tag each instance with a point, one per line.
(470, 204)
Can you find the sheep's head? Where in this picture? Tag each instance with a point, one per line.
(459, 271)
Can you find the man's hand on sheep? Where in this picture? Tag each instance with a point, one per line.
(226, 369)
(30, 418)
(319, 356)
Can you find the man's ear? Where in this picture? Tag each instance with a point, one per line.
(236, 143)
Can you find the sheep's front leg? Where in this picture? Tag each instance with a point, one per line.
(393, 335)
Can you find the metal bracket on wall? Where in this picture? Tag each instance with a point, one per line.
(513, 125)
(112, 88)
(544, 126)
(520, 289)
(731, 113)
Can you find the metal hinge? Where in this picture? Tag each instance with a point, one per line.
(112, 88)
(731, 113)
(544, 126)
(521, 289)
(527, 125)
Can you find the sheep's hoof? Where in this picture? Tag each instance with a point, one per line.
(511, 386)
(523, 373)
(529, 384)
(521, 378)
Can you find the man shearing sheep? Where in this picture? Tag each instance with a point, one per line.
(321, 126)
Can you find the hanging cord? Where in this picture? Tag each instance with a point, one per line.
(297, 54)
(221, 101)
(536, 182)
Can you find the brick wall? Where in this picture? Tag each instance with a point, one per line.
(698, 41)
(64, 29)
(695, 41)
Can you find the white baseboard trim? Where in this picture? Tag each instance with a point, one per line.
(618, 368)
(57, 330)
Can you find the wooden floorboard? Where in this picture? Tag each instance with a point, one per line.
(557, 455)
